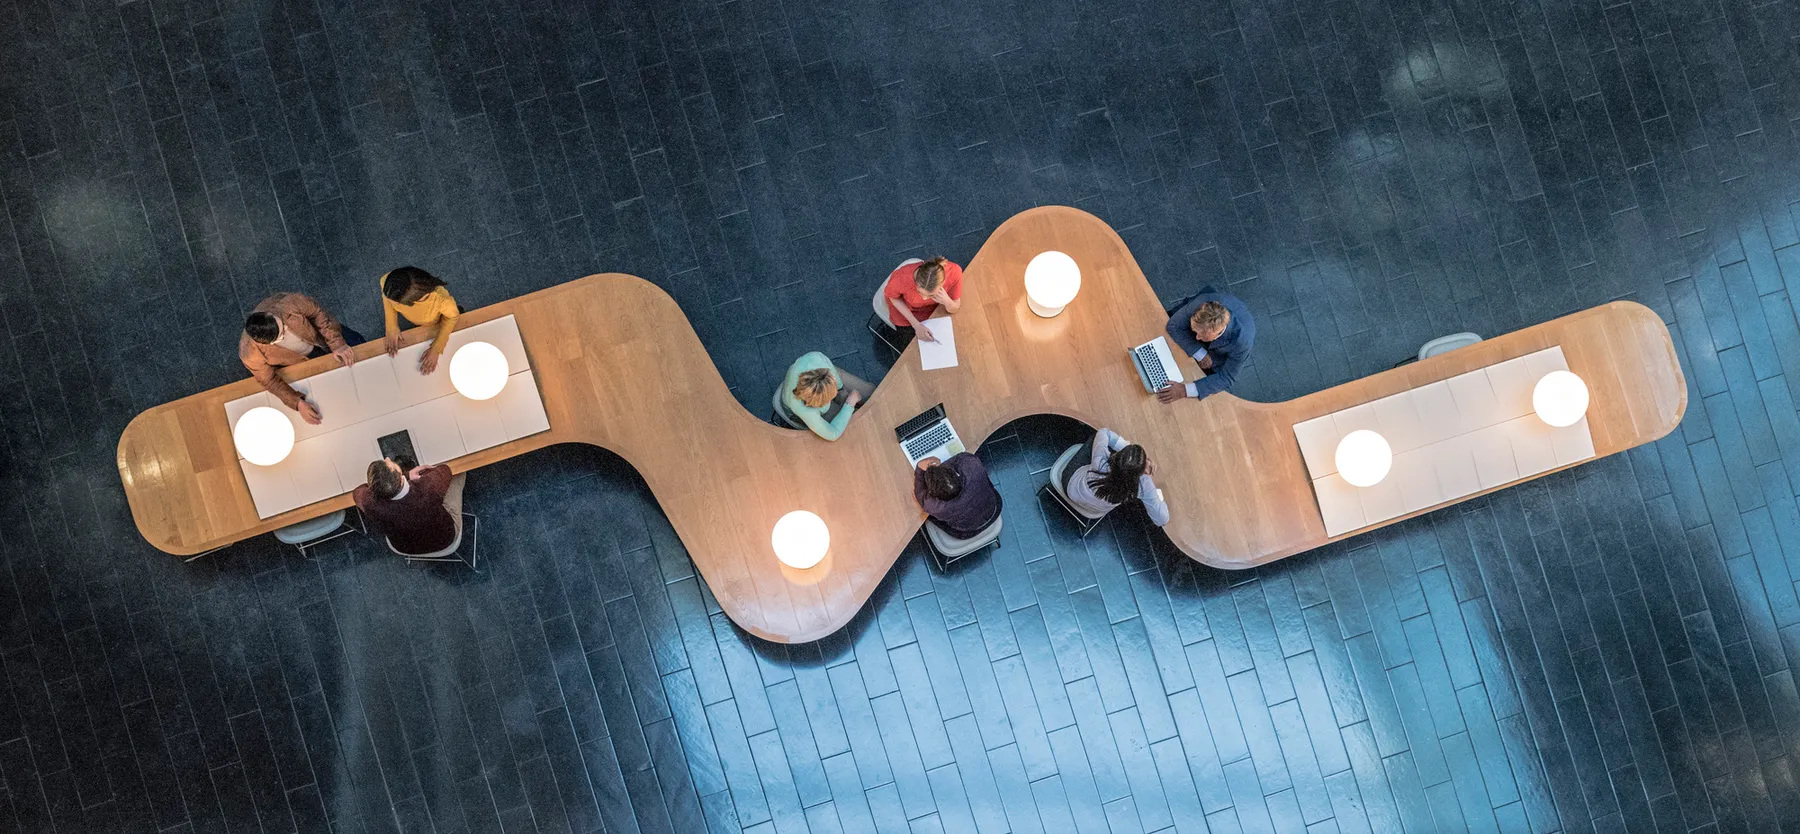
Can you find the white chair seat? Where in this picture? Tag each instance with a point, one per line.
(312, 528)
(785, 415)
(951, 547)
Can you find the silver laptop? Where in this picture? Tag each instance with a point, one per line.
(928, 435)
(1156, 365)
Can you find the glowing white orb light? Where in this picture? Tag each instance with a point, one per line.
(264, 436)
(1051, 281)
(1364, 458)
(478, 370)
(800, 539)
(1560, 398)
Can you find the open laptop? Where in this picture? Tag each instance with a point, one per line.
(1156, 364)
(928, 435)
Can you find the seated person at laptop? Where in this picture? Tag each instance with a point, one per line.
(821, 395)
(419, 511)
(957, 494)
(1116, 472)
(288, 328)
(1217, 330)
(916, 289)
(424, 300)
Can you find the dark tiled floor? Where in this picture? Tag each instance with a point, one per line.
(1608, 649)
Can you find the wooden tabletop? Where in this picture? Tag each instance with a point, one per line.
(620, 367)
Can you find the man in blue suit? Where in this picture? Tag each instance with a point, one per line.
(1216, 329)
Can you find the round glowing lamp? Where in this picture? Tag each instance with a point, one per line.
(1051, 281)
(478, 370)
(264, 436)
(1560, 398)
(800, 539)
(1364, 458)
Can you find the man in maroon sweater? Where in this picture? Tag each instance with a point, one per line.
(420, 512)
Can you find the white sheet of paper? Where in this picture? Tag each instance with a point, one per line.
(941, 353)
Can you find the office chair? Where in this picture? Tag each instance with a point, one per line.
(947, 549)
(1086, 522)
(449, 554)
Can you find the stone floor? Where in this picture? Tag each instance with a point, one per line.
(1609, 649)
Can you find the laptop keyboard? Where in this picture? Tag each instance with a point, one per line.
(1153, 367)
(937, 436)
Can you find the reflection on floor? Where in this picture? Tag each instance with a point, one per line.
(1609, 648)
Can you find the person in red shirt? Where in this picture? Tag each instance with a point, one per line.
(916, 289)
(419, 511)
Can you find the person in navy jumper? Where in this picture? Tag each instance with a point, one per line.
(1216, 329)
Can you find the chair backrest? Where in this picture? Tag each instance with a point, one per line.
(787, 416)
(880, 300)
(1444, 344)
(1062, 465)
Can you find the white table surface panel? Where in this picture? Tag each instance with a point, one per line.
(379, 396)
(1451, 439)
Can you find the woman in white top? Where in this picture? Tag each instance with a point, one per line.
(1117, 471)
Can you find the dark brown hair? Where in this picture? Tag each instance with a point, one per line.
(384, 481)
(943, 482)
(1119, 483)
(407, 278)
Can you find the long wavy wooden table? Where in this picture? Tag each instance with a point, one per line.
(620, 367)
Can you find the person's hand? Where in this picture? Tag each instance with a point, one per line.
(345, 355)
(938, 295)
(927, 463)
(1171, 393)
(392, 343)
(310, 413)
(428, 362)
(1205, 361)
(923, 332)
(854, 398)
(1149, 467)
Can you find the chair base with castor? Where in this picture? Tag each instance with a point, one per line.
(947, 549)
(1086, 522)
(1441, 345)
(316, 531)
(449, 554)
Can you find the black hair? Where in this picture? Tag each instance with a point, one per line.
(943, 482)
(262, 327)
(406, 279)
(1119, 483)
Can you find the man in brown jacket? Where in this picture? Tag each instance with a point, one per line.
(288, 328)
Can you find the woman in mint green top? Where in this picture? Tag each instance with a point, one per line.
(822, 395)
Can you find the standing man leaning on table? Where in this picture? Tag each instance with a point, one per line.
(424, 300)
(288, 328)
(1216, 329)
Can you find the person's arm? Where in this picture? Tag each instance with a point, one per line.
(1154, 505)
(447, 314)
(1220, 378)
(1106, 441)
(919, 486)
(270, 378)
(323, 322)
(433, 481)
(814, 418)
(951, 291)
(919, 329)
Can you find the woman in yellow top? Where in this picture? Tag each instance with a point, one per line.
(424, 300)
